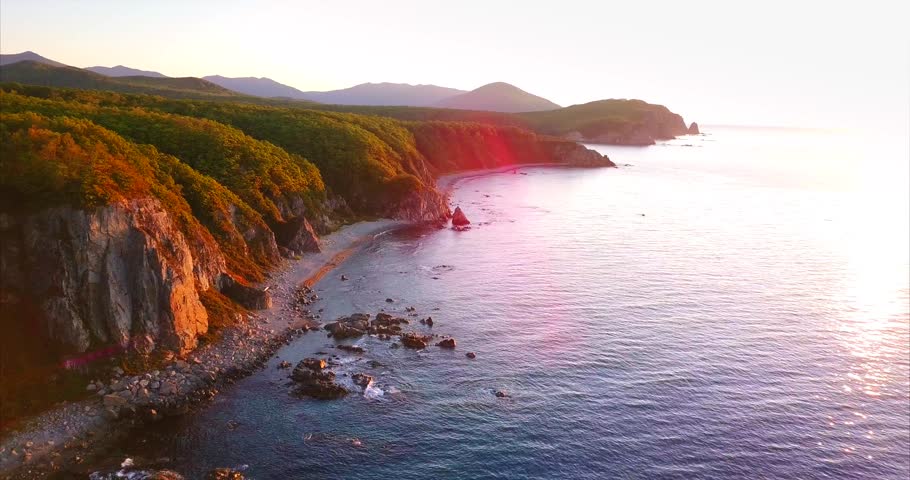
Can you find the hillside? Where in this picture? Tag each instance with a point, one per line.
(621, 122)
(7, 59)
(34, 73)
(176, 204)
(498, 97)
(123, 71)
(384, 94)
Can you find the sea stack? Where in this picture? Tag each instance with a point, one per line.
(693, 129)
(459, 219)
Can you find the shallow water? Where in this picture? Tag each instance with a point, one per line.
(737, 308)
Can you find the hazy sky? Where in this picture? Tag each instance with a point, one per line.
(808, 63)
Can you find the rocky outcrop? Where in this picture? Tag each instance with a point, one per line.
(576, 155)
(249, 297)
(693, 129)
(297, 235)
(414, 340)
(423, 205)
(106, 276)
(459, 219)
(661, 124)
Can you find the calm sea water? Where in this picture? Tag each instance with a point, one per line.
(733, 308)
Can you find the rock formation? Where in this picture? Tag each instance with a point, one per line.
(693, 129)
(459, 219)
(297, 235)
(106, 276)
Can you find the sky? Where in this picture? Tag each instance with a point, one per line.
(795, 63)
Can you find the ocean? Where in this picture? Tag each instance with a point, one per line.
(729, 305)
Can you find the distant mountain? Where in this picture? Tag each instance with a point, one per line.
(498, 97)
(384, 94)
(122, 71)
(260, 87)
(7, 59)
(34, 73)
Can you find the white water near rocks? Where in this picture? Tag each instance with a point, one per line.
(734, 308)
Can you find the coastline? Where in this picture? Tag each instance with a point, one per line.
(447, 182)
(65, 435)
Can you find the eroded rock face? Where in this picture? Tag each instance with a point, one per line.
(693, 129)
(105, 276)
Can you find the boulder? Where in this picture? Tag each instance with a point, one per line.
(362, 380)
(249, 297)
(310, 364)
(297, 235)
(459, 219)
(471, 355)
(317, 384)
(446, 343)
(413, 340)
(348, 327)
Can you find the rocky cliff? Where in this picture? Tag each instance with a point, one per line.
(121, 274)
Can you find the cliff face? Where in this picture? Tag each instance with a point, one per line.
(121, 274)
(424, 205)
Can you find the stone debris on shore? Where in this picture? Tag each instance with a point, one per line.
(182, 383)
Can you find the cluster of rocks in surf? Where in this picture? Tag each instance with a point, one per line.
(312, 377)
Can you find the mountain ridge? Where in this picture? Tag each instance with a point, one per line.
(124, 71)
(498, 97)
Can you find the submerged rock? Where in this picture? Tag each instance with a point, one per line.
(351, 348)
(471, 355)
(459, 219)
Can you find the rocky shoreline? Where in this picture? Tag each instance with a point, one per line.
(69, 435)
